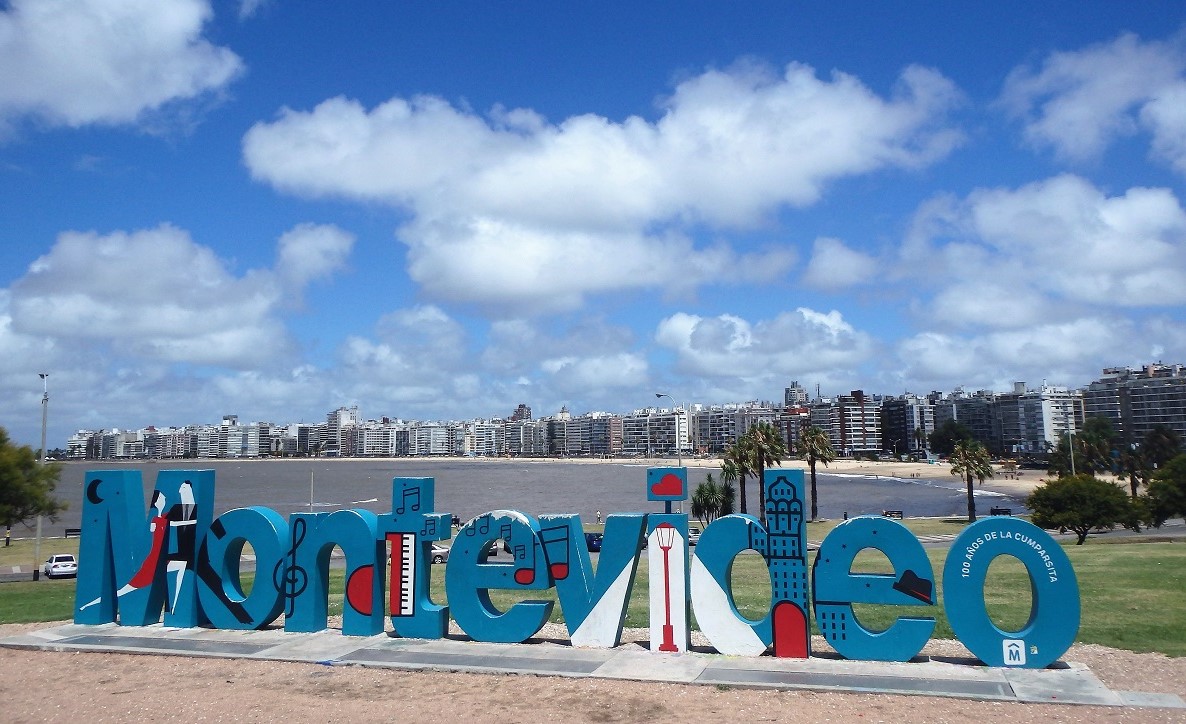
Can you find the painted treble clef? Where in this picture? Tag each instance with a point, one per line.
(289, 578)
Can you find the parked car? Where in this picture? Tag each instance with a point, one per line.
(440, 554)
(693, 535)
(60, 564)
(593, 541)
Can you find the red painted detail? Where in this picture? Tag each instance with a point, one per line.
(669, 484)
(524, 576)
(559, 571)
(396, 589)
(790, 631)
(358, 589)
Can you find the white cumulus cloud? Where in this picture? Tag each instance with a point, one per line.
(157, 294)
(1049, 249)
(1077, 102)
(510, 209)
(79, 62)
(835, 265)
(792, 344)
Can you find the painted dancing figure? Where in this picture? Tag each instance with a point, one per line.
(183, 522)
(158, 527)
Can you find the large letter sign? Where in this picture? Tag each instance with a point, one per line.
(1054, 592)
(140, 562)
(132, 565)
(836, 589)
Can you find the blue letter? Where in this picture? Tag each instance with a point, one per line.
(410, 529)
(594, 606)
(219, 586)
(469, 577)
(836, 588)
(1054, 592)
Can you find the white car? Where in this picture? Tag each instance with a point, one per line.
(440, 554)
(60, 564)
(693, 535)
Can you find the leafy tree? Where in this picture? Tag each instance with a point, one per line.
(728, 498)
(970, 459)
(735, 467)
(707, 500)
(1080, 503)
(1167, 491)
(1161, 445)
(26, 486)
(944, 438)
(815, 447)
(765, 448)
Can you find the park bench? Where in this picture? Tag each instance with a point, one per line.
(1000, 511)
(892, 514)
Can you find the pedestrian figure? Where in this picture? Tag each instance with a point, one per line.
(599, 517)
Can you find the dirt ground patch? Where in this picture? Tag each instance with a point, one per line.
(55, 686)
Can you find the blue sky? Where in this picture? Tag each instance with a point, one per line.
(442, 210)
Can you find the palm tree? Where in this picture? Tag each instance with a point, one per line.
(920, 438)
(970, 459)
(1161, 445)
(736, 466)
(815, 446)
(1132, 463)
(728, 498)
(707, 501)
(766, 448)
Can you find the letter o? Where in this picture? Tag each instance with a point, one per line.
(1054, 615)
(219, 590)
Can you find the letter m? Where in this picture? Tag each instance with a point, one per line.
(131, 566)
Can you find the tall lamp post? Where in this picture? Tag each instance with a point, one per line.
(679, 446)
(44, 419)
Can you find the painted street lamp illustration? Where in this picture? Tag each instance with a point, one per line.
(665, 534)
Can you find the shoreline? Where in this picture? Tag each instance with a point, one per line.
(1020, 485)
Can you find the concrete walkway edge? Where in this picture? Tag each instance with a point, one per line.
(1069, 683)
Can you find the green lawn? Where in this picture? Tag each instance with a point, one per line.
(1131, 595)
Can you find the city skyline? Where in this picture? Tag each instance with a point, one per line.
(267, 208)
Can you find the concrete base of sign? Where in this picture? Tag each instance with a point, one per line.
(1064, 684)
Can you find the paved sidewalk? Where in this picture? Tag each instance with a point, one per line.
(1068, 684)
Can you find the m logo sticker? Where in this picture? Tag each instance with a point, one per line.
(1014, 652)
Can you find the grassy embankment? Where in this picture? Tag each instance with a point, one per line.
(1131, 594)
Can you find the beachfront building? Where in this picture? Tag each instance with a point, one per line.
(525, 438)
(1138, 399)
(717, 427)
(653, 432)
(336, 422)
(973, 411)
(432, 438)
(1046, 415)
(852, 421)
(906, 424)
(483, 438)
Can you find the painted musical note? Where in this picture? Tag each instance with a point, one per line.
(525, 573)
(556, 542)
(409, 501)
(430, 527)
(290, 579)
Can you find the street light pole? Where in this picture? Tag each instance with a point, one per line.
(679, 447)
(44, 419)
